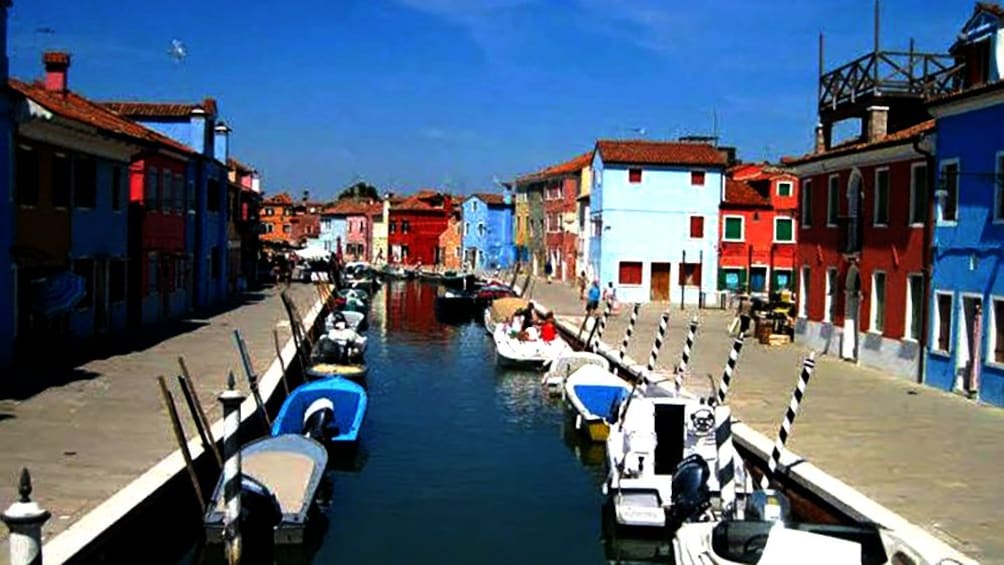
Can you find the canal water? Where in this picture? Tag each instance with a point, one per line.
(459, 461)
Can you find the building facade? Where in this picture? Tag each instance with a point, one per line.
(488, 231)
(965, 350)
(584, 221)
(645, 197)
(247, 183)
(451, 248)
(275, 213)
(415, 225)
(561, 210)
(379, 213)
(7, 274)
(757, 230)
(358, 232)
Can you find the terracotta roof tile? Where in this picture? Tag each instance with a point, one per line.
(659, 153)
(283, 198)
(855, 146)
(75, 107)
(346, 208)
(573, 165)
(741, 193)
(490, 198)
(134, 109)
(235, 164)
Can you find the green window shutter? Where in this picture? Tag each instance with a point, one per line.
(721, 279)
(742, 278)
(733, 228)
(784, 230)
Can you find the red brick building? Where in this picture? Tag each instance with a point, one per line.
(757, 230)
(415, 225)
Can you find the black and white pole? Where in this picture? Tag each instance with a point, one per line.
(660, 335)
(789, 419)
(730, 365)
(231, 400)
(688, 348)
(602, 325)
(24, 520)
(726, 470)
(629, 332)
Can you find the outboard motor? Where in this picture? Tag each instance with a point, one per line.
(768, 506)
(317, 418)
(691, 495)
(331, 351)
(260, 514)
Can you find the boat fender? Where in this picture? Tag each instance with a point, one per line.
(317, 417)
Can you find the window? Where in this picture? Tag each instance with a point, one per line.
(213, 195)
(806, 204)
(634, 176)
(697, 226)
(150, 189)
(62, 179)
(878, 302)
(167, 191)
(999, 188)
(950, 184)
(268, 212)
(781, 279)
(152, 280)
(286, 228)
(215, 264)
(881, 212)
(918, 194)
(804, 285)
(179, 193)
(731, 278)
(26, 181)
(942, 321)
(629, 272)
(85, 193)
(830, 305)
(392, 227)
(116, 280)
(190, 196)
(784, 188)
(833, 201)
(690, 274)
(997, 331)
(404, 251)
(481, 229)
(405, 226)
(697, 178)
(734, 229)
(85, 268)
(784, 230)
(914, 300)
(116, 188)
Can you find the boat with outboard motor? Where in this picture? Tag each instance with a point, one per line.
(355, 299)
(564, 365)
(355, 321)
(596, 396)
(532, 352)
(339, 352)
(330, 411)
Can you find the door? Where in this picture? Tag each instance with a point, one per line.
(849, 345)
(659, 281)
(101, 296)
(758, 279)
(968, 351)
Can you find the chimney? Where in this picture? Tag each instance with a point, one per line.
(823, 132)
(878, 122)
(221, 146)
(197, 118)
(56, 65)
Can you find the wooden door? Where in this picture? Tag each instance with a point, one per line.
(659, 286)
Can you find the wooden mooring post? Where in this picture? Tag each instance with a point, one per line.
(179, 435)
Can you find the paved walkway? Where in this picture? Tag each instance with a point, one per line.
(932, 457)
(88, 438)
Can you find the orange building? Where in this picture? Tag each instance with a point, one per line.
(276, 212)
(451, 244)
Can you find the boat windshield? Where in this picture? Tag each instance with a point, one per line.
(743, 541)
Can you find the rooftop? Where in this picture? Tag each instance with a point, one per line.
(490, 198)
(134, 109)
(741, 193)
(659, 153)
(856, 145)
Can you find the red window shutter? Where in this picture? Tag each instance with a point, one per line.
(697, 178)
(629, 272)
(697, 226)
(634, 176)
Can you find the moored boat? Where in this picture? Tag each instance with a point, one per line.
(327, 410)
(526, 353)
(566, 364)
(596, 395)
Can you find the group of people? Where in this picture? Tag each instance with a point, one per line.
(593, 296)
(527, 325)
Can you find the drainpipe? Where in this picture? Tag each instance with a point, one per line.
(928, 256)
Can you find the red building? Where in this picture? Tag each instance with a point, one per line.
(415, 225)
(757, 230)
(305, 222)
(561, 208)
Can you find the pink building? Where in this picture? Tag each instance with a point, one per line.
(358, 233)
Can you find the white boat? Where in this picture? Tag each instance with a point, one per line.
(655, 439)
(489, 322)
(596, 395)
(530, 353)
(767, 539)
(356, 321)
(559, 369)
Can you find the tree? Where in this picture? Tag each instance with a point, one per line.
(360, 191)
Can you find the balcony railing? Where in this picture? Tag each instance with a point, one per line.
(889, 73)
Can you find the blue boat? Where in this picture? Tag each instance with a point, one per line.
(328, 410)
(596, 395)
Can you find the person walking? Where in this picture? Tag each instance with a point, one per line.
(549, 271)
(582, 285)
(593, 298)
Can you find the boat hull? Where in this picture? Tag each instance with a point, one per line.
(348, 401)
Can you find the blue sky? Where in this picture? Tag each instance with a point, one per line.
(427, 93)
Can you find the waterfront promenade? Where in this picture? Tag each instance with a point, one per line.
(932, 457)
(105, 424)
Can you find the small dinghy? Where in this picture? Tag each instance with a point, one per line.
(352, 299)
(338, 353)
(529, 353)
(355, 321)
(596, 395)
(329, 411)
(569, 362)
(280, 476)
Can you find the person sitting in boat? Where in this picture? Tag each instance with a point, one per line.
(528, 316)
(548, 331)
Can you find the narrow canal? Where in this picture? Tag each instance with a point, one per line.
(460, 461)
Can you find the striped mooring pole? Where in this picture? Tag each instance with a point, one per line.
(730, 365)
(660, 335)
(603, 325)
(231, 400)
(688, 347)
(789, 419)
(726, 462)
(24, 520)
(629, 331)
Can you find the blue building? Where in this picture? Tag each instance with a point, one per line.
(488, 231)
(333, 231)
(966, 347)
(654, 217)
(206, 240)
(7, 322)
